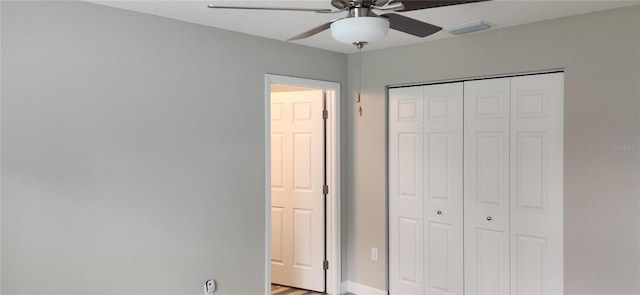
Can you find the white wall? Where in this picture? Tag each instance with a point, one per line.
(133, 150)
(600, 53)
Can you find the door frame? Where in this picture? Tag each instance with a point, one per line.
(332, 242)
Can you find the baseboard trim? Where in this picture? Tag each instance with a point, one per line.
(360, 289)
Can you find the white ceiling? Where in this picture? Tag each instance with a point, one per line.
(281, 25)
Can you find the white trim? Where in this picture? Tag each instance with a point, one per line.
(359, 289)
(344, 287)
(0, 164)
(333, 176)
(464, 79)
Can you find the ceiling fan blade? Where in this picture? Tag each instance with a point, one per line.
(340, 4)
(410, 25)
(379, 2)
(398, 6)
(272, 8)
(311, 32)
(410, 5)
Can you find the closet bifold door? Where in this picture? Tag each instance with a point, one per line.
(513, 185)
(443, 249)
(486, 186)
(476, 187)
(406, 263)
(537, 184)
(425, 189)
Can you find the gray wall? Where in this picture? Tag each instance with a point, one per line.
(600, 54)
(1, 150)
(133, 150)
(133, 146)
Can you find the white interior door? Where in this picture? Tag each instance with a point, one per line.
(297, 179)
(443, 189)
(537, 184)
(486, 186)
(406, 185)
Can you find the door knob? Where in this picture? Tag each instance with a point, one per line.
(439, 212)
(489, 218)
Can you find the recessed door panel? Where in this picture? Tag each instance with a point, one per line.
(277, 164)
(531, 102)
(531, 271)
(277, 238)
(408, 260)
(491, 267)
(408, 109)
(407, 166)
(277, 109)
(531, 190)
(438, 105)
(438, 165)
(303, 161)
(440, 257)
(302, 111)
(489, 168)
(302, 238)
(491, 105)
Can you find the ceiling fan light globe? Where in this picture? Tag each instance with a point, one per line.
(360, 29)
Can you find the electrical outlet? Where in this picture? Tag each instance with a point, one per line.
(209, 287)
(374, 254)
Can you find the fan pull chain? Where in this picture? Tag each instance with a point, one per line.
(357, 96)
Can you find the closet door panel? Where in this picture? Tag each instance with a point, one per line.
(486, 186)
(537, 184)
(406, 177)
(443, 188)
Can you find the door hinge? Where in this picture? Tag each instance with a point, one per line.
(325, 189)
(326, 265)
(325, 114)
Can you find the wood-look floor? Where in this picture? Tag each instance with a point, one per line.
(284, 290)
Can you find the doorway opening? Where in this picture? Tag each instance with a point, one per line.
(302, 179)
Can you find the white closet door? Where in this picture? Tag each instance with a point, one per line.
(511, 213)
(486, 186)
(406, 261)
(443, 248)
(537, 184)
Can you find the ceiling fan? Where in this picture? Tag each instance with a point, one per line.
(362, 25)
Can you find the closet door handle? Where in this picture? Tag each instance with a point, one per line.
(489, 218)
